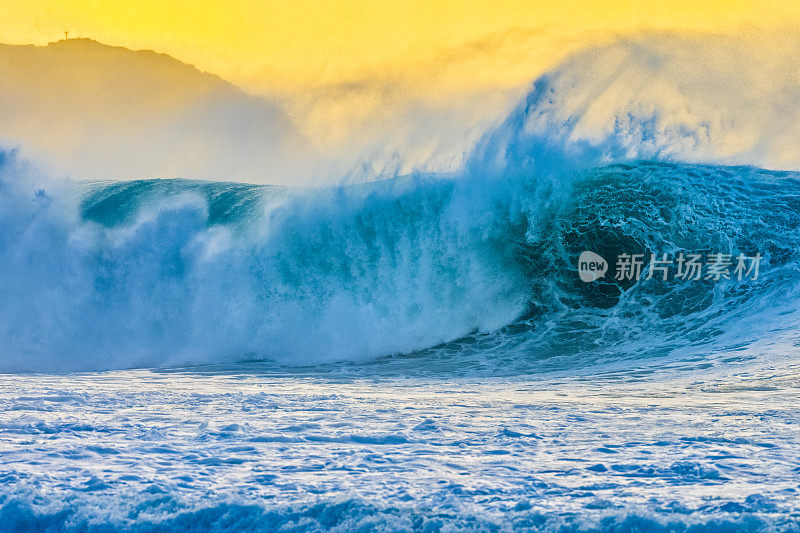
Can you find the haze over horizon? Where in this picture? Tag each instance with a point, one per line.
(96, 111)
(268, 45)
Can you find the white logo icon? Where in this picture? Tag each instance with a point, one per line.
(591, 267)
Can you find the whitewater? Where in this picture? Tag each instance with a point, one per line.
(418, 353)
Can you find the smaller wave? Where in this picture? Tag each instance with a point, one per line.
(120, 203)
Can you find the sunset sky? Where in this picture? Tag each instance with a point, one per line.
(311, 42)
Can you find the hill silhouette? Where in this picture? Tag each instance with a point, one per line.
(97, 111)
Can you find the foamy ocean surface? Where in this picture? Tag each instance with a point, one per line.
(242, 450)
(416, 353)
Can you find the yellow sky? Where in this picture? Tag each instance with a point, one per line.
(308, 42)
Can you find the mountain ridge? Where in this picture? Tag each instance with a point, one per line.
(98, 111)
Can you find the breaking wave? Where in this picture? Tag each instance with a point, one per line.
(478, 266)
(172, 272)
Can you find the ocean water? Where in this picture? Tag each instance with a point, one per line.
(412, 354)
(246, 449)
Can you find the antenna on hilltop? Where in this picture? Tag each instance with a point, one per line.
(66, 36)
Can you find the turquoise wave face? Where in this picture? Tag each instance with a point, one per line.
(477, 274)
(119, 203)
